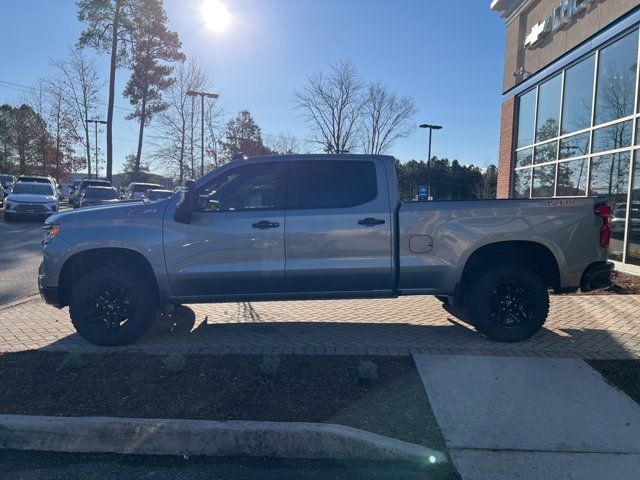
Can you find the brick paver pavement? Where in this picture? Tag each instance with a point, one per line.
(583, 326)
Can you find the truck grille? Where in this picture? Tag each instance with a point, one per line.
(31, 208)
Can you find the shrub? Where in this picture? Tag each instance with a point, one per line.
(70, 362)
(174, 362)
(367, 371)
(270, 365)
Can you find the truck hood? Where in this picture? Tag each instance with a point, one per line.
(101, 214)
(31, 198)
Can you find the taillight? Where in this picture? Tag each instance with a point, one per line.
(604, 211)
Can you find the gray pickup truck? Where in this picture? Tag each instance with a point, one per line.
(319, 227)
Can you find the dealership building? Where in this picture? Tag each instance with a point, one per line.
(570, 108)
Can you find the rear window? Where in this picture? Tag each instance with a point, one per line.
(333, 184)
(143, 187)
(102, 193)
(94, 183)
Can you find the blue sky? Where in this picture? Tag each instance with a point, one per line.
(446, 55)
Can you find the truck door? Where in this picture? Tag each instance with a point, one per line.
(235, 241)
(338, 227)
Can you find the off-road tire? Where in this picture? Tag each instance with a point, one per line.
(103, 286)
(501, 296)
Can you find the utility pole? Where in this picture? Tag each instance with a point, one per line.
(193, 107)
(431, 128)
(96, 122)
(202, 95)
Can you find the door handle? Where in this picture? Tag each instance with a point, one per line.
(370, 221)
(265, 224)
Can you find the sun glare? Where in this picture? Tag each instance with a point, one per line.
(215, 15)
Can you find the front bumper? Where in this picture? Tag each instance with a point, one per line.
(597, 276)
(48, 294)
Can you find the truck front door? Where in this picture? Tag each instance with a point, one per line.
(338, 227)
(235, 241)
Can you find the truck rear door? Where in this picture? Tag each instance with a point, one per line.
(338, 227)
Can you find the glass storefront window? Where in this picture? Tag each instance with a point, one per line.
(522, 183)
(547, 152)
(633, 244)
(526, 114)
(548, 109)
(615, 90)
(572, 178)
(523, 157)
(609, 178)
(575, 146)
(578, 96)
(612, 137)
(543, 181)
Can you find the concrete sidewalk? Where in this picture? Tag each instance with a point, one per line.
(532, 418)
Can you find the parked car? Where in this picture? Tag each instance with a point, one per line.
(347, 236)
(155, 194)
(619, 219)
(99, 196)
(135, 190)
(6, 183)
(31, 200)
(86, 183)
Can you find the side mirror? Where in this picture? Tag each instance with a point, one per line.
(184, 207)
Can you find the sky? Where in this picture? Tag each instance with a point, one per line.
(446, 55)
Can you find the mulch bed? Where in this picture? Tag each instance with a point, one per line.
(305, 388)
(623, 284)
(623, 374)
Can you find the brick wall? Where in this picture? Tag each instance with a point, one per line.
(507, 141)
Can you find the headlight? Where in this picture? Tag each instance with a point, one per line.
(51, 230)
(8, 205)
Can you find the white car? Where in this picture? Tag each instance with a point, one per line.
(135, 190)
(31, 200)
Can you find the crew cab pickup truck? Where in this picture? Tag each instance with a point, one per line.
(319, 227)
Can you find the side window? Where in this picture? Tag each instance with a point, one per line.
(246, 188)
(332, 184)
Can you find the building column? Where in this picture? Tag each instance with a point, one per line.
(506, 149)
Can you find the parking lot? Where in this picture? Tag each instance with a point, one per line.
(20, 253)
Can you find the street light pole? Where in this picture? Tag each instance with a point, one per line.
(202, 95)
(96, 122)
(431, 129)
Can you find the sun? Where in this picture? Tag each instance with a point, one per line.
(215, 15)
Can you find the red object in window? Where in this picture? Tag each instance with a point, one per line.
(604, 211)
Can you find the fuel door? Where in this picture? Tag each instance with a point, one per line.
(420, 243)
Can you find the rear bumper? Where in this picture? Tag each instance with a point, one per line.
(597, 276)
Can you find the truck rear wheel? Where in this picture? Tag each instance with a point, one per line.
(112, 306)
(508, 303)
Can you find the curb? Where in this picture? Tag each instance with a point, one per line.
(20, 301)
(205, 437)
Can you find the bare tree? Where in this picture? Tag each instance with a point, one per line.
(82, 88)
(213, 119)
(385, 118)
(37, 99)
(331, 104)
(284, 144)
(61, 129)
(176, 132)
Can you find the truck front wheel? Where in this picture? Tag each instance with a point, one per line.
(508, 303)
(112, 306)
